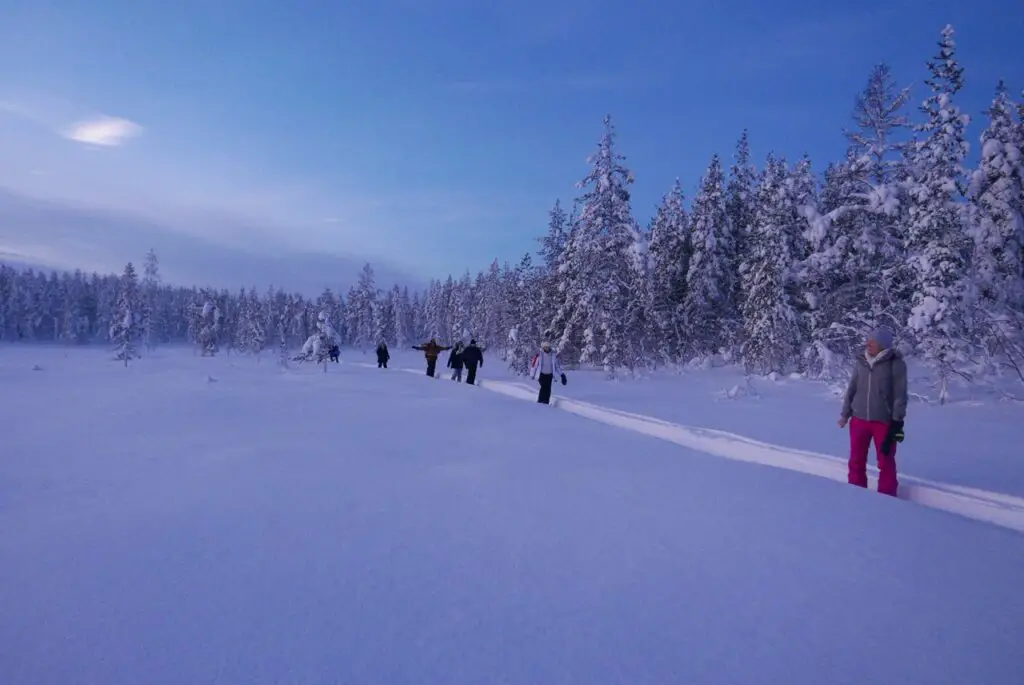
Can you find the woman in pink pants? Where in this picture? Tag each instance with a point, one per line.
(875, 406)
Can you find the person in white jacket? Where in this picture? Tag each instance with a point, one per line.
(544, 369)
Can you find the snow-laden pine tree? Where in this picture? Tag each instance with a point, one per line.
(741, 206)
(124, 330)
(152, 313)
(210, 330)
(490, 307)
(936, 237)
(601, 275)
(460, 310)
(669, 262)
(996, 201)
(800, 202)
(401, 322)
(879, 116)
(361, 306)
(771, 333)
(709, 284)
(386, 317)
(997, 229)
(525, 330)
(855, 277)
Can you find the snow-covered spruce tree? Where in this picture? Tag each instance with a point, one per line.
(641, 340)
(936, 237)
(524, 333)
(318, 345)
(498, 312)
(400, 317)
(361, 308)
(600, 279)
(879, 117)
(124, 330)
(997, 229)
(709, 285)
(771, 332)
(740, 205)
(210, 331)
(386, 317)
(800, 203)
(855, 277)
(152, 313)
(669, 262)
(552, 249)
(329, 303)
(461, 309)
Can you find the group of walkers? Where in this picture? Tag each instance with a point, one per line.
(874, 404)
(469, 357)
(544, 367)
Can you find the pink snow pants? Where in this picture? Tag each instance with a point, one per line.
(861, 434)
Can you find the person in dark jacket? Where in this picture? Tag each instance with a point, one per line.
(335, 354)
(383, 355)
(875, 406)
(455, 362)
(472, 357)
(431, 350)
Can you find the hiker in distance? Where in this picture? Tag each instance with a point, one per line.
(455, 362)
(545, 367)
(472, 357)
(383, 355)
(431, 350)
(875, 406)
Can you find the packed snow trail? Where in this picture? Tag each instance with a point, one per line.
(982, 505)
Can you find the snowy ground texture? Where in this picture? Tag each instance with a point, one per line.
(191, 520)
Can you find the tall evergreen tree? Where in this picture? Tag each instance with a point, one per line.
(710, 287)
(600, 276)
(741, 207)
(361, 310)
(152, 314)
(937, 241)
(771, 331)
(997, 228)
(124, 331)
(669, 263)
(879, 116)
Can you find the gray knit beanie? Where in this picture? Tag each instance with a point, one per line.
(882, 336)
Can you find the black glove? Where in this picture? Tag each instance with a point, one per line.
(564, 379)
(895, 435)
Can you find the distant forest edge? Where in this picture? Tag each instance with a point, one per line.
(775, 267)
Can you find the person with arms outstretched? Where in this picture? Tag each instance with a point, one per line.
(431, 350)
(545, 367)
(875, 406)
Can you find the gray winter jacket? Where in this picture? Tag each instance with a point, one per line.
(879, 392)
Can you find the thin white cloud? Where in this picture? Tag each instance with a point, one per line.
(106, 131)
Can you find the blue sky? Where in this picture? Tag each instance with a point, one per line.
(435, 135)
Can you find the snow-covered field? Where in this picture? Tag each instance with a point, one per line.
(198, 520)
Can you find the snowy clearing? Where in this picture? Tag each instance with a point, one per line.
(194, 519)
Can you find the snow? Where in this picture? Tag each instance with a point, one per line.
(275, 527)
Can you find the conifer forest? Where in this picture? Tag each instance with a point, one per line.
(780, 265)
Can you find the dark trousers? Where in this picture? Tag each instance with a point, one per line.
(382, 364)
(431, 365)
(545, 388)
(470, 373)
